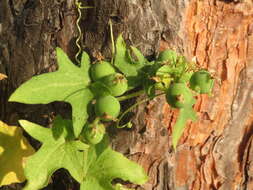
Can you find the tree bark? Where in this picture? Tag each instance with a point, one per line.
(215, 152)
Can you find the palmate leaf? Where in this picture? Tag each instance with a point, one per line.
(59, 150)
(14, 150)
(68, 84)
(103, 165)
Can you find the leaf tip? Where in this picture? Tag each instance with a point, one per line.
(58, 49)
(13, 97)
(59, 52)
(120, 38)
(22, 122)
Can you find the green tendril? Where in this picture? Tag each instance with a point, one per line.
(79, 7)
(132, 95)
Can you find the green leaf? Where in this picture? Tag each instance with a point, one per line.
(132, 68)
(67, 84)
(185, 114)
(14, 150)
(79, 102)
(85, 66)
(122, 60)
(104, 165)
(59, 150)
(140, 57)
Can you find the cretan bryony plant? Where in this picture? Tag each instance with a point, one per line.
(81, 144)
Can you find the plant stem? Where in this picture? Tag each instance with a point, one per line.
(112, 40)
(129, 96)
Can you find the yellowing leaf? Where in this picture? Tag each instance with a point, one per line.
(14, 149)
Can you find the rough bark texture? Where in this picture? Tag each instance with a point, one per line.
(215, 152)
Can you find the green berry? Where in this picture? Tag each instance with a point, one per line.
(107, 108)
(116, 84)
(179, 95)
(101, 69)
(167, 56)
(94, 133)
(201, 82)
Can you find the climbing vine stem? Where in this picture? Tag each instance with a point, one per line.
(79, 7)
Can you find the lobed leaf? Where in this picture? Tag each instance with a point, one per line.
(67, 84)
(104, 165)
(55, 153)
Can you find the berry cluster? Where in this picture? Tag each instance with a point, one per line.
(169, 73)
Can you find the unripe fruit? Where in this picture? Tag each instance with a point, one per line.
(116, 83)
(107, 108)
(201, 82)
(167, 55)
(94, 133)
(179, 96)
(101, 69)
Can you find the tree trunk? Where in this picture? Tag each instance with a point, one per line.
(215, 152)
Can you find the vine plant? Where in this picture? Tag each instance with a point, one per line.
(94, 91)
(80, 145)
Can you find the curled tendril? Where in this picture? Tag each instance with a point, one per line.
(79, 7)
